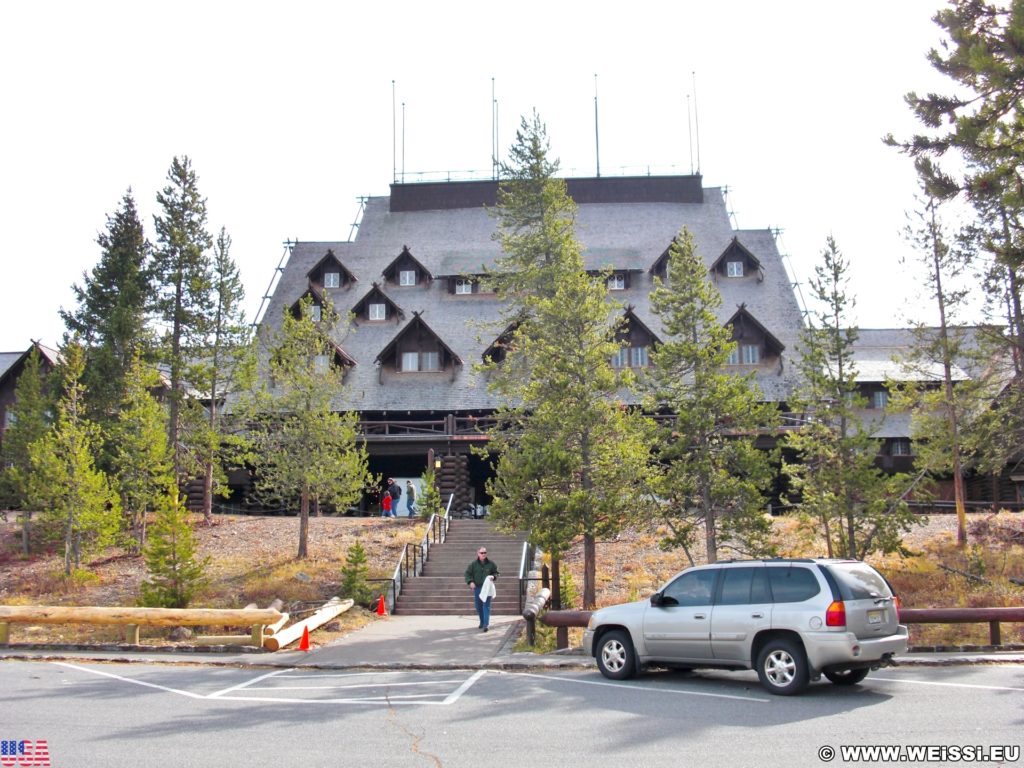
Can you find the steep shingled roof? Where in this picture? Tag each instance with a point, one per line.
(458, 241)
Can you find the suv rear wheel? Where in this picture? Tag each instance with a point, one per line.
(615, 656)
(847, 676)
(782, 667)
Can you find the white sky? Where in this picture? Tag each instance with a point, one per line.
(286, 112)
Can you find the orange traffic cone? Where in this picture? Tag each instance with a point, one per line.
(381, 610)
(304, 642)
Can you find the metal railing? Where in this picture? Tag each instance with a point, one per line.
(412, 566)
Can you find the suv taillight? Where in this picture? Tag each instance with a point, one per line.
(899, 607)
(835, 616)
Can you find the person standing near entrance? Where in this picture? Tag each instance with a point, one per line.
(480, 575)
(410, 498)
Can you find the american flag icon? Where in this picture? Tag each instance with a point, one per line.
(24, 753)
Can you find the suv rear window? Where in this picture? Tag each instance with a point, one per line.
(792, 584)
(858, 581)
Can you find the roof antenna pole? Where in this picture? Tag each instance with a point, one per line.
(696, 119)
(494, 136)
(497, 142)
(394, 138)
(597, 140)
(403, 142)
(689, 130)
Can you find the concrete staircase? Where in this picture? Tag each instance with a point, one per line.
(441, 589)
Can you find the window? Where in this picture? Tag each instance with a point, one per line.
(410, 361)
(332, 279)
(407, 277)
(315, 313)
(377, 312)
(693, 588)
(321, 363)
(463, 286)
(430, 361)
(10, 419)
(901, 447)
(742, 586)
(638, 357)
(745, 354)
(880, 399)
(792, 584)
(734, 268)
(621, 358)
(617, 283)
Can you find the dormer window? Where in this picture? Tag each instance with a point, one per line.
(754, 343)
(406, 270)
(463, 286)
(321, 364)
(377, 311)
(329, 272)
(636, 340)
(376, 306)
(417, 348)
(316, 301)
(745, 354)
(880, 399)
(617, 282)
(315, 313)
(900, 447)
(736, 261)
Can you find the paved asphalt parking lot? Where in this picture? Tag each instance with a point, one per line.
(129, 714)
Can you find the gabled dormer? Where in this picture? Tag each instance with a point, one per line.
(376, 307)
(329, 272)
(637, 341)
(468, 285)
(335, 357)
(417, 349)
(405, 271)
(498, 349)
(736, 261)
(316, 308)
(659, 268)
(755, 344)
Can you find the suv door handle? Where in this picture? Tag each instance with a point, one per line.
(757, 615)
(699, 616)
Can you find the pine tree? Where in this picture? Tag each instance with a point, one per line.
(65, 485)
(181, 273)
(28, 419)
(141, 462)
(174, 574)
(714, 476)
(429, 501)
(221, 368)
(859, 508)
(303, 449)
(354, 583)
(110, 319)
(571, 458)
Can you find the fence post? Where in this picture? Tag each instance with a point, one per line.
(5, 633)
(131, 634)
(994, 636)
(257, 635)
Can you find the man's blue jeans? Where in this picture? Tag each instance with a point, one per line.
(483, 607)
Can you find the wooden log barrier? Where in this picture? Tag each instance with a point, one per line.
(289, 635)
(153, 617)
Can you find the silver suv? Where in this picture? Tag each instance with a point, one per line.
(791, 620)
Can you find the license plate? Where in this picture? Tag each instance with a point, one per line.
(875, 617)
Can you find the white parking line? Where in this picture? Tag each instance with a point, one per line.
(222, 695)
(635, 687)
(874, 678)
(129, 680)
(346, 687)
(218, 694)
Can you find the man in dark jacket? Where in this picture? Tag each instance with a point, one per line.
(396, 492)
(476, 576)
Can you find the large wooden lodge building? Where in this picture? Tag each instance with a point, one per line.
(422, 317)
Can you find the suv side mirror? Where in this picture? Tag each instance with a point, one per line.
(656, 598)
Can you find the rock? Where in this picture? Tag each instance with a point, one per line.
(181, 633)
(332, 626)
(303, 577)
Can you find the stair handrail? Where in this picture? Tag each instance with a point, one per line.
(437, 525)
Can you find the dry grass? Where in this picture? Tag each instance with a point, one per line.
(252, 560)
